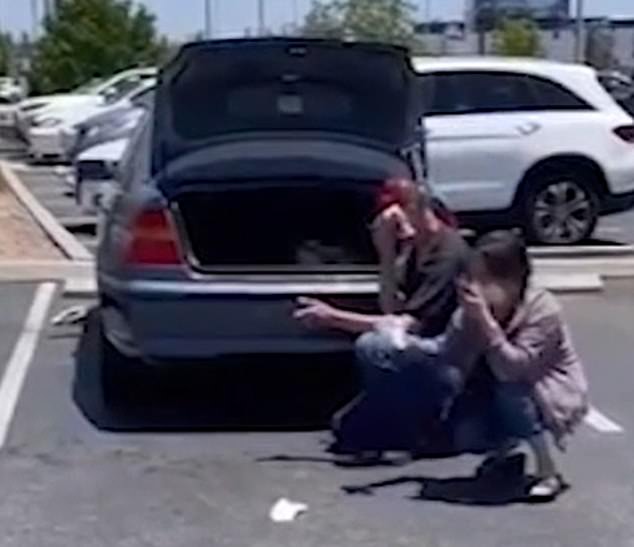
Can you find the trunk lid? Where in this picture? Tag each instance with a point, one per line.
(283, 87)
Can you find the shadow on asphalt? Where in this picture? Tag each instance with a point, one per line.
(254, 394)
(471, 491)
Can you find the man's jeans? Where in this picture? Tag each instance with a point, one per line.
(406, 393)
(410, 392)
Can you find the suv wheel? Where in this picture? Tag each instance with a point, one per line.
(560, 208)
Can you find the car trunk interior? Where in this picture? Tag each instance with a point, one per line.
(284, 227)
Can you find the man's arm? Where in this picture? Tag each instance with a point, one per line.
(318, 314)
(353, 322)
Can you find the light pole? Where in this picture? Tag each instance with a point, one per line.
(484, 16)
(208, 20)
(295, 16)
(428, 11)
(35, 19)
(579, 32)
(261, 18)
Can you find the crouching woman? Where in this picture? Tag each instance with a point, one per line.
(533, 376)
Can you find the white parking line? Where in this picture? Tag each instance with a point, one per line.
(599, 421)
(23, 352)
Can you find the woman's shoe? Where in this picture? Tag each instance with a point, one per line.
(547, 489)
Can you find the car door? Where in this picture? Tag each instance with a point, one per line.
(476, 123)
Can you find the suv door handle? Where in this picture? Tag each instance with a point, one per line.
(528, 128)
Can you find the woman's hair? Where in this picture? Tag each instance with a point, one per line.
(505, 256)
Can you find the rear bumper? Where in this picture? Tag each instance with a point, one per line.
(170, 321)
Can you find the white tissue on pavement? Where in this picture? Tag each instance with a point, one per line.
(286, 510)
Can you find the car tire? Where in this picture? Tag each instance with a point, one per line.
(560, 207)
(116, 373)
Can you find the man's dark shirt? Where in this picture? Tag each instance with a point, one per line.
(428, 283)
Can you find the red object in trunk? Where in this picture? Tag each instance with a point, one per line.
(399, 192)
(154, 240)
(394, 192)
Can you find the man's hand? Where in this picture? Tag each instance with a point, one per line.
(315, 314)
(390, 226)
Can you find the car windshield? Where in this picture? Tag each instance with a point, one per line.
(89, 87)
(121, 90)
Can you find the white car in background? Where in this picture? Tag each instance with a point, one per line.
(53, 135)
(92, 94)
(11, 91)
(530, 143)
(95, 173)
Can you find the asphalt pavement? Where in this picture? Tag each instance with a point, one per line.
(200, 454)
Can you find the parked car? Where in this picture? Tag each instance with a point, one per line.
(527, 143)
(54, 134)
(95, 174)
(11, 91)
(113, 124)
(246, 189)
(621, 87)
(93, 93)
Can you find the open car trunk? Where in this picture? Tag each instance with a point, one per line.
(280, 227)
(219, 90)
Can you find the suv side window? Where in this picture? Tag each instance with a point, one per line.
(479, 93)
(470, 92)
(553, 96)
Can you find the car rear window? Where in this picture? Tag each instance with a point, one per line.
(220, 92)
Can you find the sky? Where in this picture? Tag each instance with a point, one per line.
(182, 18)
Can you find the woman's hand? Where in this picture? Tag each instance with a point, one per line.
(315, 314)
(473, 302)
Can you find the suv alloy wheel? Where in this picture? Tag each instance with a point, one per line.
(561, 209)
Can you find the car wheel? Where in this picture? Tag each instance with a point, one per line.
(115, 371)
(561, 208)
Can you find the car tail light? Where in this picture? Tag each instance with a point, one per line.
(625, 132)
(154, 240)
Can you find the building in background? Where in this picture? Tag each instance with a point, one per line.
(485, 13)
(612, 38)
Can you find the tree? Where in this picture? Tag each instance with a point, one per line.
(323, 21)
(6, 53)
(517, 38)
(389, 21)
(87, 39)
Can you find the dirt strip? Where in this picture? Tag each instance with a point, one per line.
(21, 238)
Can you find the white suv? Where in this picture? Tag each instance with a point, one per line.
(537, 144)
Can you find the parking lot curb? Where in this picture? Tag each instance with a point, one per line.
(582, 251)
(69, 244)
(45, 270)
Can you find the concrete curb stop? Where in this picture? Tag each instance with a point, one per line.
(45, 270)
(67, 242)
